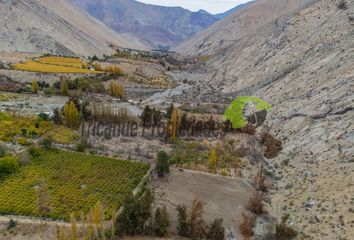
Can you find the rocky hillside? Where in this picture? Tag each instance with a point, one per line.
(154, 25)
(58, 27)
(243, 22)
(302, 63)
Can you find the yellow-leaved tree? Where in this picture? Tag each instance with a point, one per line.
(117, 90)
(174, 122)
(72, 116)
(35, 86)
(73, 224)
(213, 159)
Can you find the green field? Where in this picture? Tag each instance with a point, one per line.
(73, 182)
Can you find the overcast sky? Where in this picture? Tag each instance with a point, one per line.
(212, 6)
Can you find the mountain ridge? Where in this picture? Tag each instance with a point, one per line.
(152, 24)
(56, 27)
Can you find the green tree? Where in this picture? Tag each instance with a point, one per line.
(163, 164)
(216, 231)
(64, 87)
(182, 227)
(162, 222)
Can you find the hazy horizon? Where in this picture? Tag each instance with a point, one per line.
(212, 6)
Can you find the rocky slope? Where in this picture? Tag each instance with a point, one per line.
(302, 63)
(154, 25)
(239, 24)
(57, 27)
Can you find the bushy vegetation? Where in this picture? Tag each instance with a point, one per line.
(13, 125)
(138, 217)
(283, 231)
(117, 90)
(74, 181)
(204, 157)
(273, 146)
(8, 165)
(193, 225)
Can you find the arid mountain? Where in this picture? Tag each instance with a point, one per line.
(232, 10)
(58, 27)
(155, 25)
(241, 23)
(298, 56)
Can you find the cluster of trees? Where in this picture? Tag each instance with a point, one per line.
(193, 226)
(105, 113)
(117, 90)
(115, 70)
(90, 226)
(150, 116)
(139, 218)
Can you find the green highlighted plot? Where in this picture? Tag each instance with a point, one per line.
(234, 112)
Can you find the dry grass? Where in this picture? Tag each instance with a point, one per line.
(247, 225)
(255, 204)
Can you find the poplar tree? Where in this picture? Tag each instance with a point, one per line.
(34, 86)
(174, 123)
(64, 87)
(73, 224)
(117, 90)
(213, 158)
(71, 115)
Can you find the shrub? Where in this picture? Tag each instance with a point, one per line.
(183, 228)
(8, 165)
(35, 151)
(162, 222)
(2, 151)
(284, 232)
(47, 143)
(22, 141)
(216, 231)
(196, 222)
(247, 225)
(163, 164)
(255, 204)
(261, 180)
(342, 5)
(80, 147)
(12, 224)
(273, 146)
